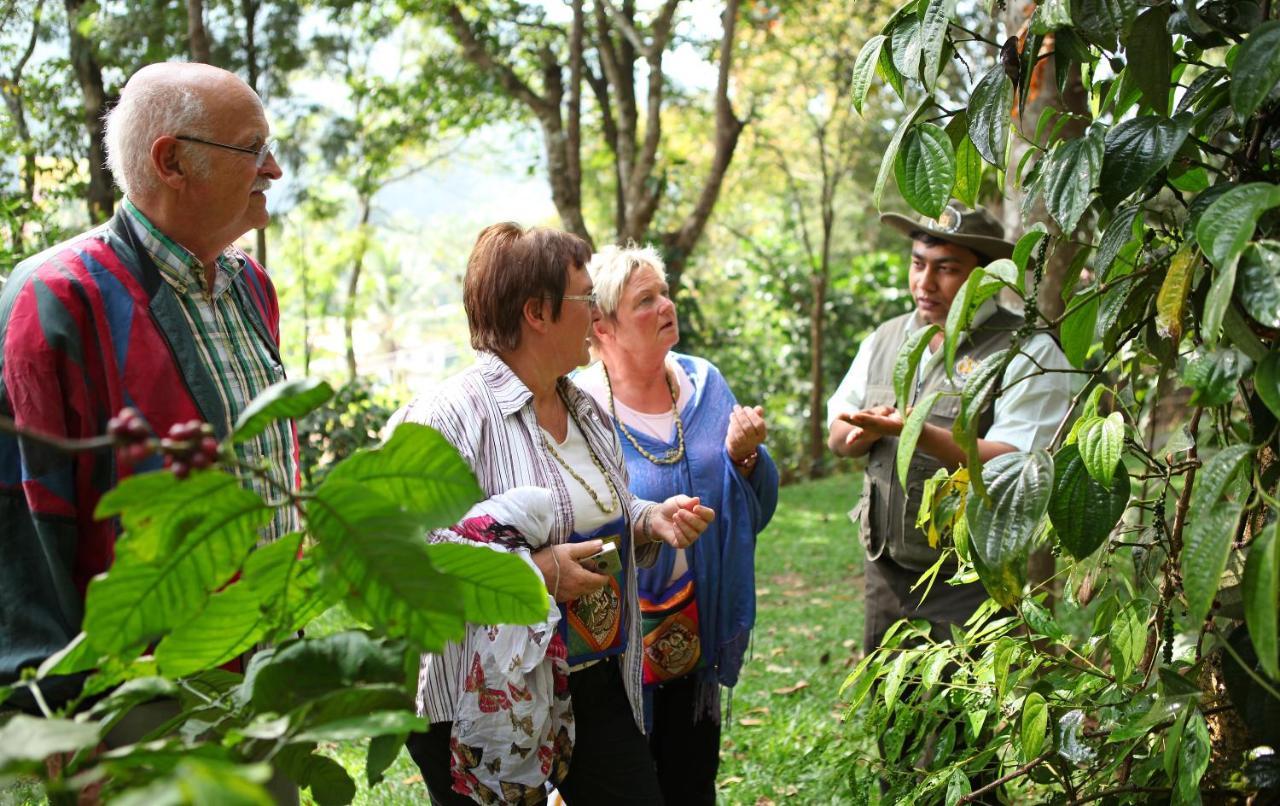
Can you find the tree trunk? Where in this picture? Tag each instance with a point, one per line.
(249, 13)
(817, 392)
(197, 37)
(353, 284)
(100, 197)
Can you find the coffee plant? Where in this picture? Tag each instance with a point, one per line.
(191, 593)
(1152, 674)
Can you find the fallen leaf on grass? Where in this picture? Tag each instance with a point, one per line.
(759, 709)
(848, 643)
(773, 668)
(749, 722)
(818, 602)
(799, 684)
(763, 591)
(763, 801)
(777, 650)
(731, 780)
(412, 779)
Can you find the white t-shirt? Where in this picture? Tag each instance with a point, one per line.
(587, 517)
(1026, 413)
(661, 425)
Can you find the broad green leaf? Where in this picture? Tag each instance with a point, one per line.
(911, 429)
(1077, 329)
(1101, 21)
(1001, 533)
(978, 392)
(1217, 301)
(893, 680)
(890, 74)
(1138, 149)
(1001, 661)
(1034, 726)
(26, 739)
(906, 365)
(417, 469)
(973, 293)
(344, 703)
(1171, 302)
(1004, 271)
(1027, 244)
(281, 679)
(1084, 512)
(1071, 173)
(1214, 477)
(198, 780)
(76, 656)
(328, 781)
(497, 588)
(1161, 711)
(891, 153)
(1213, 375)
(1262, 597)
(926, 169)
(1101, 441)
(1256, 69)
(933, 33)
(375, 555)
(1118, 233)
(863, 68)
(199, 548)
(1193, 759)
(1266, 381)
(957, 785)
(1052, 15)
(1258, 282)
(1127, 639)
(990, 107)
(1228, 224)
(1149, 51)
(969, 168)
(287, 399)
(904, 44)
(383, 752)
(1206, 545)
(276, 593)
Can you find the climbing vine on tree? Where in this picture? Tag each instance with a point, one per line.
(1154, 674)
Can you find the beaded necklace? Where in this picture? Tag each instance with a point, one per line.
(671, 456)
(613, 493)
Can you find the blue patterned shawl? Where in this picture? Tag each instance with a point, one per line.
(723, 559)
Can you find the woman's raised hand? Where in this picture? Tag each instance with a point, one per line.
(679, 520)
(747, 430)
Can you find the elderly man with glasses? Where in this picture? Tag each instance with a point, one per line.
(155, 310)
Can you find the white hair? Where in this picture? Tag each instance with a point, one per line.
(611, 268)
(144, 114)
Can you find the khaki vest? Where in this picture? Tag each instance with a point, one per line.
(886, 514)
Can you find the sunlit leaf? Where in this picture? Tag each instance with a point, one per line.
(933, 32)
(1034, 725)
(911, 429)
(1077, 329)
(863, 69)
(1101, 441)
(907, 363)
(286, 399)
(1171, 302)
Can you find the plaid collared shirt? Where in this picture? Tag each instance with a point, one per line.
(240, 362)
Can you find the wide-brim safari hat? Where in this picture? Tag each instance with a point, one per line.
(976, 229)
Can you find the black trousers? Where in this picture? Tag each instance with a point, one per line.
(610, 763)
(890, 598)
(687, 753)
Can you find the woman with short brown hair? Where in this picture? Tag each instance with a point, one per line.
(520, 424)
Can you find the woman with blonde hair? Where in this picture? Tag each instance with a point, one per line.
(682, 431)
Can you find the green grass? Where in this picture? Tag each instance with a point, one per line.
(783, 741)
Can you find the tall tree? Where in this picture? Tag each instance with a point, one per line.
(618, 52)
(100, 196)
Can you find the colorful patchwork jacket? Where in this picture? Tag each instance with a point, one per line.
(86, 329)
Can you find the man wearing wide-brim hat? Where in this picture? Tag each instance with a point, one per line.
(864, 421)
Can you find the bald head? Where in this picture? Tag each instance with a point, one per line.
(171, 98)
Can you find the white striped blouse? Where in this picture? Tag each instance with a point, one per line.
(486, 412)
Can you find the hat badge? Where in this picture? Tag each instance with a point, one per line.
(950, 218)
(965, 367)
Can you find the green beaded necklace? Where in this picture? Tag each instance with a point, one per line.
(670, 457)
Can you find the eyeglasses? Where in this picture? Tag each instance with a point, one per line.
(588, 298)
(261, 153)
